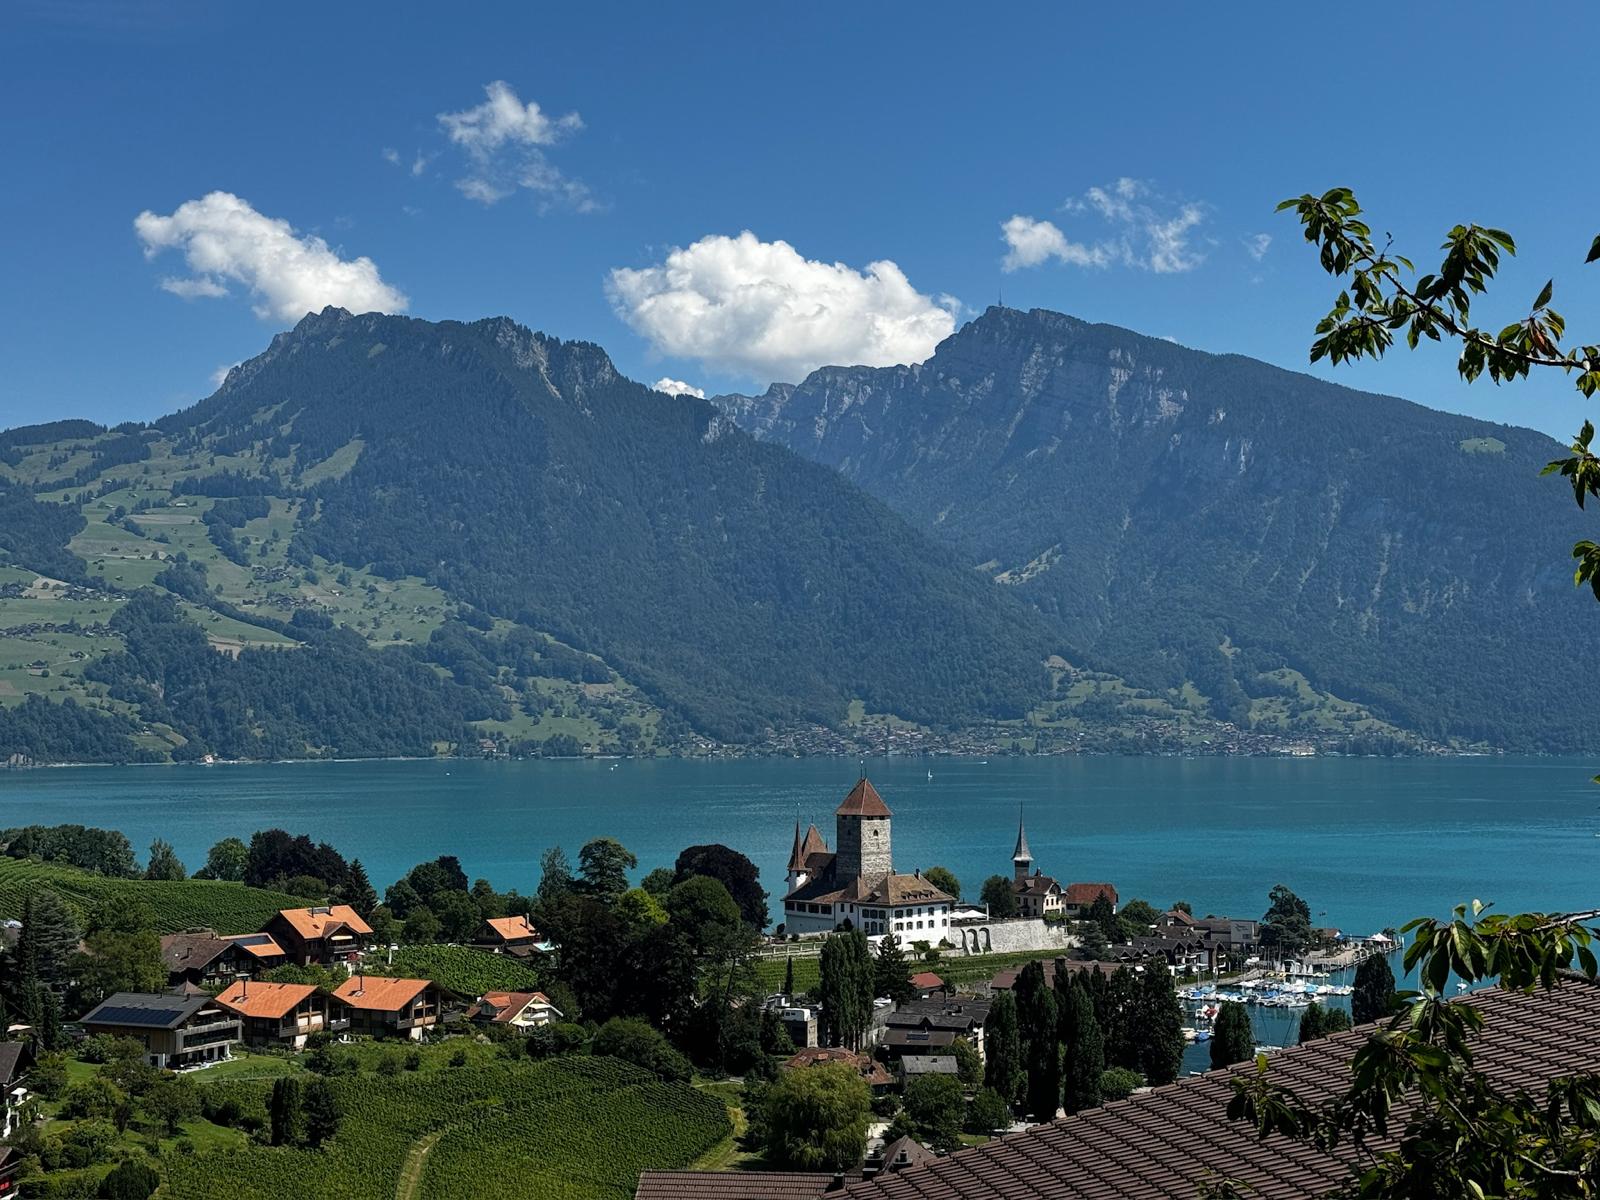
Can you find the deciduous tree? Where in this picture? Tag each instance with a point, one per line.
(816, 1119)
(998, 897)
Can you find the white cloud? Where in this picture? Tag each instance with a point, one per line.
(222, 239)
(677, 387)
(505, 140)
(391, 156)
(1137, 228)
(220, 375)
(1032, 242)
(1256, 245)
(761, 309)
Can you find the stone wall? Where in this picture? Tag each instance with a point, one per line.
(995, 937)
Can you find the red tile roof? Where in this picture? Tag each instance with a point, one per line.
(820, 1056)
(1088, 893)
(378, 993)
(732, 1185)
(1158, 1145)
(926, 981)
(512, 928)
(313, 923)
(270, 1000)
(863, 801)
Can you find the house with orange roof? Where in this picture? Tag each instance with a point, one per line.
(515, 936)
(259, 951)
(282, 1014)
(517, 1010)
(387, 1007)
(323, 935)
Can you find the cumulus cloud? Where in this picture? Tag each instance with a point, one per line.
(505, 140)
(677, 387)
(763, 310)
(224, 240)
(1135, 227)
(1256, 245)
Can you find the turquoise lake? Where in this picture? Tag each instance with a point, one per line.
(1367, 842)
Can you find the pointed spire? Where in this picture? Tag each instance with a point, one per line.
(1021, 853)
(797, 858)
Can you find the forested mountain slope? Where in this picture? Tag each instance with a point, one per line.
(404, 535)
(1213, 519)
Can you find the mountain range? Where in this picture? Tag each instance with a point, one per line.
(1185, 517)
(391, 536)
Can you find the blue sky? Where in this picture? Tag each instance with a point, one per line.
(601, 193)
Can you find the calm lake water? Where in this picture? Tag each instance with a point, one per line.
(1367, 842)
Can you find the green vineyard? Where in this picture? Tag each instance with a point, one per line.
(461, 969)
(584, 1128)
(189, 904)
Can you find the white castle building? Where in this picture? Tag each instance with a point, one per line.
(857, 882)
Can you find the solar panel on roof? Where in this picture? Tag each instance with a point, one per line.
(253, 939)
(128, 1015)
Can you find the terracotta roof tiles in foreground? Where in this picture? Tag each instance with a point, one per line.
(268, 1000)
(313, 923)
(378, 993)
(1158, 1146)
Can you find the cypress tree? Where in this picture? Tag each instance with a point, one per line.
(286, 1113)
(1003, 1049)
(1310, 1023)
(1041, 1048)
(847, 978)
(788, 976)
(1121, 1024)
(1085, 1052)
(1373, 998)
(891, 972)
(322, 1112)
(1232, 1040)
(1160, 1026)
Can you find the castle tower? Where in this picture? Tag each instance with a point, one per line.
(862, 824)
(1021, 857)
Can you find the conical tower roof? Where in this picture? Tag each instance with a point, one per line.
(1021, 853)
(863, 801)
(797, 858)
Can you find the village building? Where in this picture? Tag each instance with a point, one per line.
(282, 1014)
(856, 882)
(11, 1161)
(900, 1041)
(202, 959)
(1037, 894)
(259, 951)
(16, 1061)
(509, 935)
(324, 935)
(1078, 898)
(515, 1010)
(175, 1030)
(959, 1016)
(915, 1066)
(926, 983)
(871, 1071)
(383, 1006)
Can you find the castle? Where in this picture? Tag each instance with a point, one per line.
(857, 881)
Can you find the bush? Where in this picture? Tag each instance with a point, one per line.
(634, 1041)
(1117, 1083)
(563, 1037)
(130, 1180)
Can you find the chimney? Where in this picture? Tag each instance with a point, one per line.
(837, 1183)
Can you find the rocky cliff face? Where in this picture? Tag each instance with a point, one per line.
(1205, 517)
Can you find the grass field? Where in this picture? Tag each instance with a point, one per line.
(192, 903)
(568, 1129)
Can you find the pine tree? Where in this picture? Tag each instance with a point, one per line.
(164, 864)
(891, 973)
(47, 940)
(1232, 1040)
(359, 893)
(788, 976)
(1160, 1026)
(1085, 1052)
(1002, 1042)
(1373, 998)
(1041, 1047)
(322, 1112)
(49, 1027)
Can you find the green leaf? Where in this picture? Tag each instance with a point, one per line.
(1544, 296)
(1594, 250)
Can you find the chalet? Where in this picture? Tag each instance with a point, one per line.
(1078, 898)
(1185, 955)
(259, 951)
(383, 1006)
(898, 1042)
(175, 1031)
(872, 1073)
(901, 1153)
(10, 1167)
(282, 1014)
(325, 935)
(509, 935)
(203, 959)
(961, 1017)
(926, 983)
(16, 1060)
(515, 1010)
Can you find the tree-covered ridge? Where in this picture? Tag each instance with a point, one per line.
(1212, 519)
(520, 474)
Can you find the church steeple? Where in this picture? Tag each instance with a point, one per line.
(1021, 857)
(797, 858)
